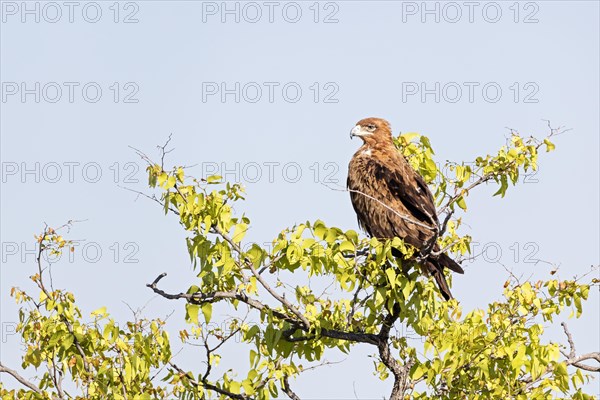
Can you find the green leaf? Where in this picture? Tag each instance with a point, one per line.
(67, 342)
(207, 311)
(461, 203)
(207, 224)
(503, 186)
(99, 312)
(214, 179)
(192, 312)
(519, 359)
(346, 246)
(253, 357)
(293, 253)
(418, 372)
(429, 170)
(549, 145)
(409, 136)
(162, 178)
(252, 332)
(391, 274)
(171, 181)
(239, 232)
(248, 387)
(234, 387)
(426, 143)
(179, 174)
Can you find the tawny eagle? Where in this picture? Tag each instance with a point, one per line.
(392, 200)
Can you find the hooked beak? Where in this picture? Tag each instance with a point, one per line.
(355, 131)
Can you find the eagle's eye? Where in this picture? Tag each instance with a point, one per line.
(371, 127)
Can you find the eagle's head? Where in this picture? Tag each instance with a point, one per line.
(372, 130)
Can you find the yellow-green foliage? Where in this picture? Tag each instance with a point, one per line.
(494, 352)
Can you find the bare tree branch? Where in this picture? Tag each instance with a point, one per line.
(56, 380)
(208, 385)
(19, 378)
(201, 298)
(354, 300)
(164, 151)
(287, 390)
(260, 278)
(153, 198)
(400, 372)
(574, 360)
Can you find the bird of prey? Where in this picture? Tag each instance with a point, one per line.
(392, 200)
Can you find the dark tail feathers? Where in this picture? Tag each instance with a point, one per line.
(435, 267)
(449, 263)
(439, 277)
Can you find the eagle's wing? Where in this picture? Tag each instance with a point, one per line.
(361, 211)
(408, 186)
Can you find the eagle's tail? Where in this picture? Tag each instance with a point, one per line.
(445, 261)
(436, 270)
(435, 267)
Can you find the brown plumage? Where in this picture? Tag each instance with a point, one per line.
(391, 199)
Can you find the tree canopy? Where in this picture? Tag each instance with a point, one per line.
(497, 351)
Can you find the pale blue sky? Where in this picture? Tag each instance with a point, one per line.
(172, 59)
